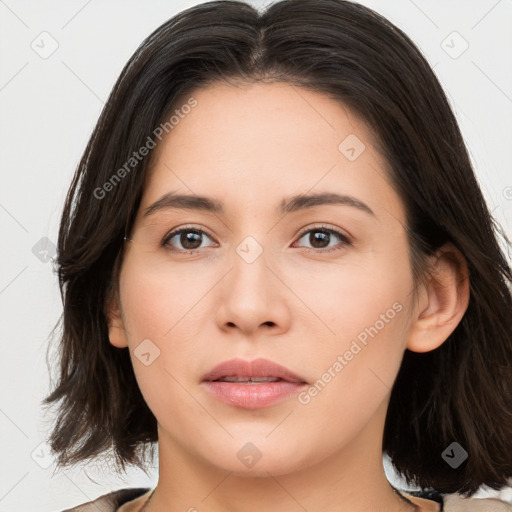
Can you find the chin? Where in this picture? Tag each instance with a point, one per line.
(261, 457)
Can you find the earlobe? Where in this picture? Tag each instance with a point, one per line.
(443, 301)
(116, 328)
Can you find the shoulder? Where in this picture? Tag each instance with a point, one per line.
(110, 502)
(456, 503)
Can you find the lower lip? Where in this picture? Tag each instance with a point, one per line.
(253, 396)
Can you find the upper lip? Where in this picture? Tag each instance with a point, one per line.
(256, 368)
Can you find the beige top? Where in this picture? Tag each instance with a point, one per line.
(132, 500)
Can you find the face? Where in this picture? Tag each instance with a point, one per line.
(321, 287)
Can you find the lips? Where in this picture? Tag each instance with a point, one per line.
(251, 372)
(252, 384)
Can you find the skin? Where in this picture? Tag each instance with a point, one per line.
(250, 146)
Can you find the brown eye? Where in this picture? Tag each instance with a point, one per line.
(321, 238)
(190, 239)
(187, 239)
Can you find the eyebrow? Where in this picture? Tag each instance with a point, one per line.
(291, 204)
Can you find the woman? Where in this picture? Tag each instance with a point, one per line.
(276, 262)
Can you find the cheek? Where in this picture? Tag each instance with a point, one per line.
(162, 308)
(365, 304)
(160, 298)
(352, 374)
(358, 292)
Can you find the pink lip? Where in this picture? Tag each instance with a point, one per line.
(252, 396)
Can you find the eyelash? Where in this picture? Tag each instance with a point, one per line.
(345, 240)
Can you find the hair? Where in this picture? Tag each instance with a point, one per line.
(459, 392)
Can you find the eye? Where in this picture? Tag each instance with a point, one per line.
(190, 239)
(321, 236)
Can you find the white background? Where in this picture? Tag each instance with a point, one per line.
(48, 108)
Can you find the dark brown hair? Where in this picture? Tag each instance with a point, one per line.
(459, 392)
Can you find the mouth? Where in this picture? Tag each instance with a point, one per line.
(249, 380)
(252, 384)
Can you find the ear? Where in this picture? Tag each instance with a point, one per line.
(443, 300)
(116, 328)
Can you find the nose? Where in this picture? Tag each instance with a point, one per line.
(253, 297)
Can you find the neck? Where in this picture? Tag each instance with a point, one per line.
(350, 479)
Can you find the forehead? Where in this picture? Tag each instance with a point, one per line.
(258, 140)
(255, 116)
